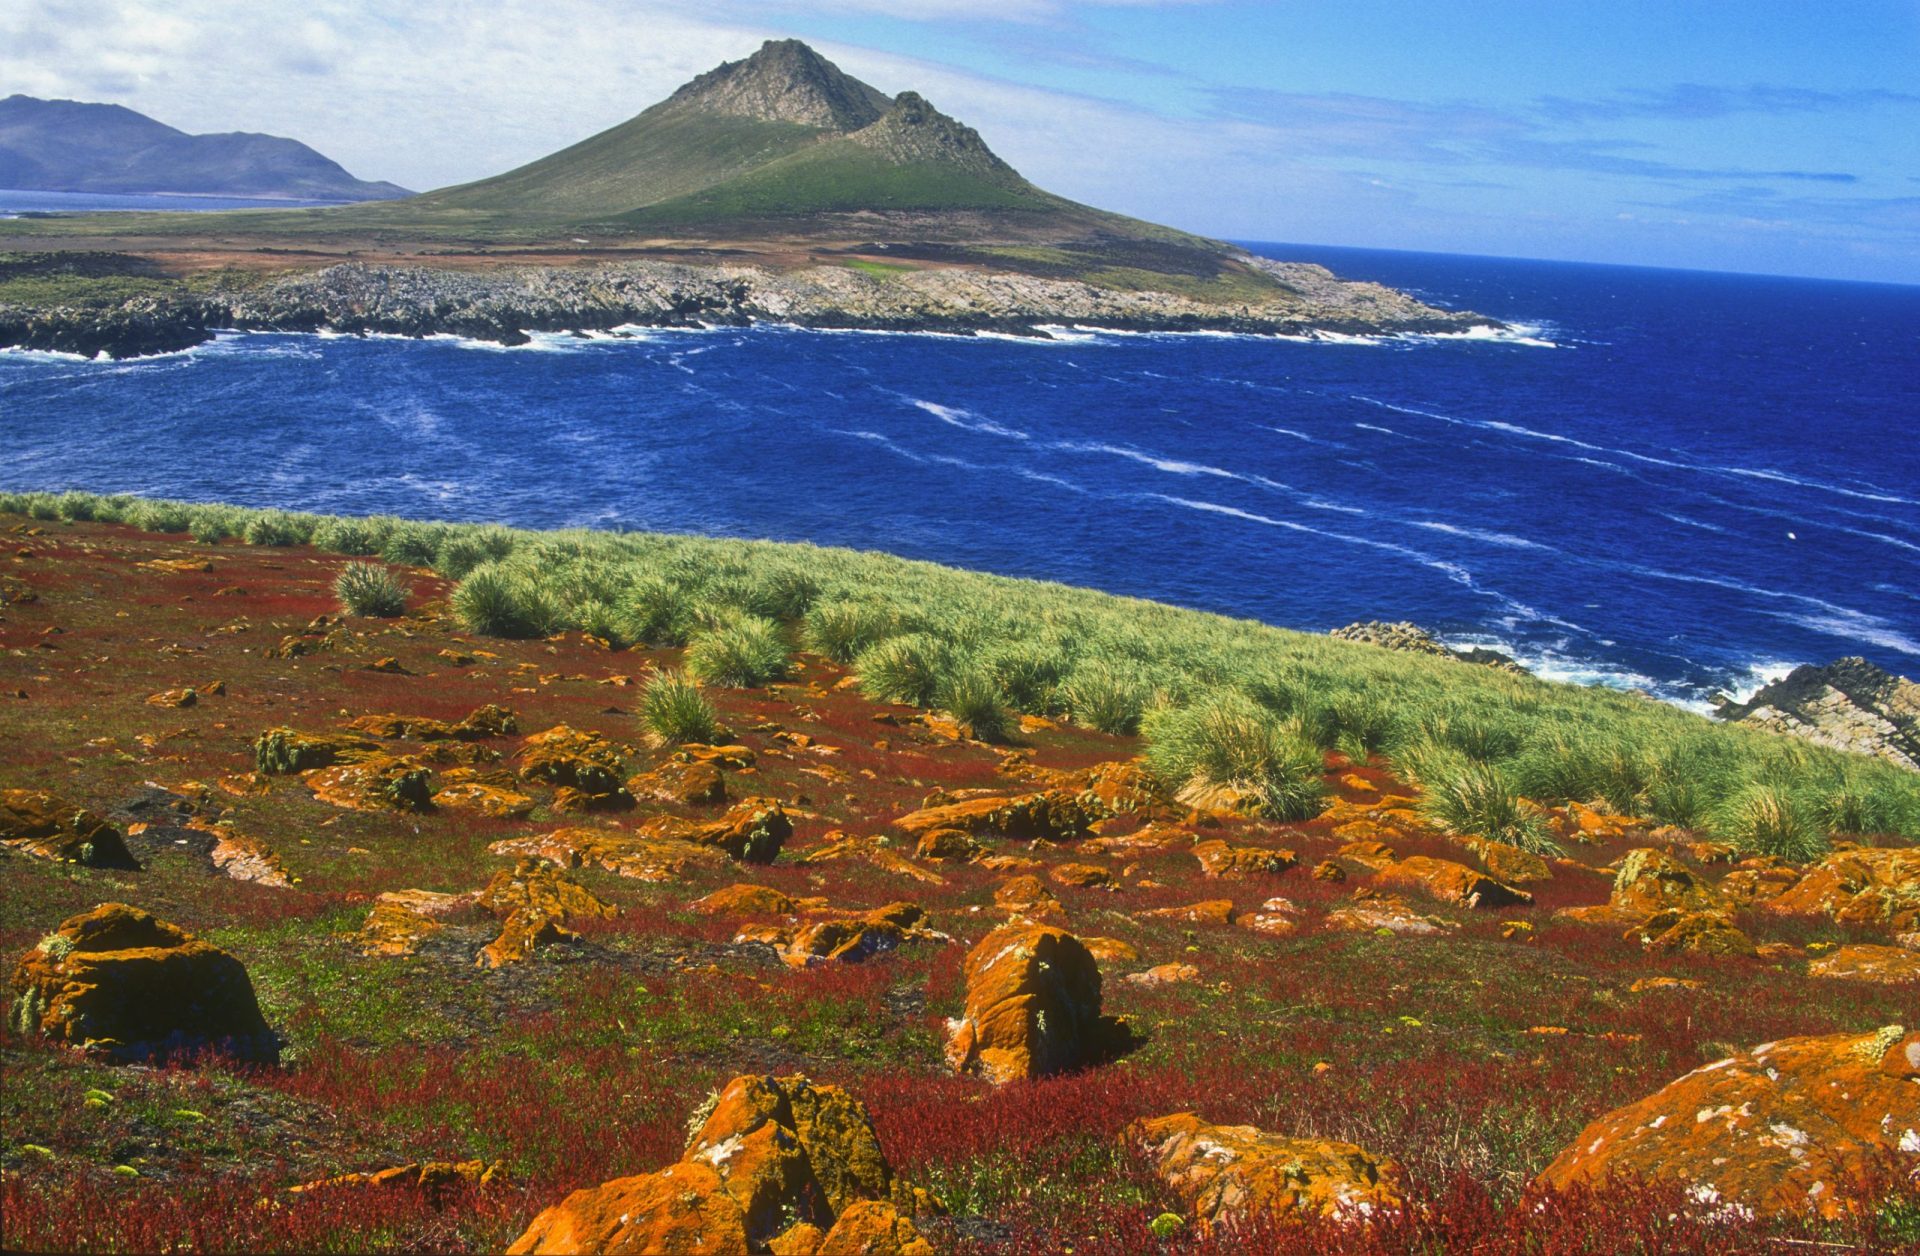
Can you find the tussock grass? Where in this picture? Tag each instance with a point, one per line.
(369, 589)
(916, 633)
(744, 653)
(973, 698)
(1226, 739)
(1472, 797)
(676, 712)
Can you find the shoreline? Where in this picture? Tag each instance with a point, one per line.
(506, 306)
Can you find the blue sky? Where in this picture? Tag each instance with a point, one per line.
(1755, 136)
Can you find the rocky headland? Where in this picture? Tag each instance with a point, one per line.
(504, 304)
(1849, 704)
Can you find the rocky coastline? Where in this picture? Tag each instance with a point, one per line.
(1849, 704)
(506, 303)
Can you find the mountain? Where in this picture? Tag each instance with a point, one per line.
(72, 146)
(785, 142)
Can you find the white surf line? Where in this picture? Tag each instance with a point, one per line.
(1703, 468)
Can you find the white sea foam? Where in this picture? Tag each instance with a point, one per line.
(1853, 626)
(1475, 534)
(1172, 466)
(968, 420)
(1374, 427)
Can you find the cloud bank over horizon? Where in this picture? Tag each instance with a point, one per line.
(1622, 138)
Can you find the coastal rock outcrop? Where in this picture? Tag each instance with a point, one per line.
(1849, 704)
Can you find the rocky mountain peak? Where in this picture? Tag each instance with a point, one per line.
(912, 130)
(786, 81)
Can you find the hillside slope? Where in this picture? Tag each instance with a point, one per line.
(73, 146)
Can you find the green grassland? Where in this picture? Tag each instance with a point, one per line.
(1227, 701)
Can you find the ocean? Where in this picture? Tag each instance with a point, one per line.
(1674, 481)
(14, 202)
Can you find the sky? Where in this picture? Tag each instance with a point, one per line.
(1746, 135)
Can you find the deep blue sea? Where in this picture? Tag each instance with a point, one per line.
(1671, 480)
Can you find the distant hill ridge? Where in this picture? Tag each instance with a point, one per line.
(75, 146)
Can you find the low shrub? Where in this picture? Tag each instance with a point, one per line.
(369, 589)
(743, 654)
(676, 712)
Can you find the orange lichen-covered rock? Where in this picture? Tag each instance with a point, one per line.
(1367, 912)
(1870, 886)
(689, 784)
(1111, 950)
(947, 846)
(402, 727)
(1888, 965)
(1758, 880)
(745, 900)
(394, 928)
(775, 1164)
(284, 750)
(1374, 855)
(46, 826)
(1053, 814)
(628, 855)
(1451, 883)
(249, 859)
(380, 783)
(1081, 875)
(874, 1227)
(1278, 917)
(1033, 1006)
(1218, 859)
(432, 1176)
(1212, 911)
(534, 886)
(1783, 1128)
(1165, 975)
(1507, 863)
(683, 1210)
(851, 939)
(521, 935)
(1651, 881)
(752, 831)
(1225, 1174)
(1701, 932)
(583, 762)
(1023, 893)
(117, 981)
(488, 800)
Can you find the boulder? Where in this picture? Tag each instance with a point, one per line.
(1277, 917)
(1082, 876)
(852, 939)
(1867, 886)
(1649, 881)
(378, 783)
(1218, 859)
(118, 981)
(1232, 1174)
(1213, 911)
(1368, 912)
(775, 1164)
(249, 859)
(1451, 882)
(1507, 863)
(46, 826)
(947, 846)
(1165, 975)
(1056, 815)
(521, 934)
(486, 800)
(1024, 893)
(283, 751)
(752, 831)
(394, 928)
(1887, 965)
(1783, 1128)
(1033, 1006)
(534, 886)
(583, 762)
(687, 784)
(434, 1177)
(625, 854)
(1758, 880)
(1700, 932)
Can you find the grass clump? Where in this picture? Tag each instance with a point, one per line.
(273, 528)
(495, 602)
(1467, 797)
(972, 698)
(745, 653)
(909, 669)
(1106, 698)
(1226, 740)
(676, 712)
(368, 589)
(841, 631)
(361, 538)
(1765, 819)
